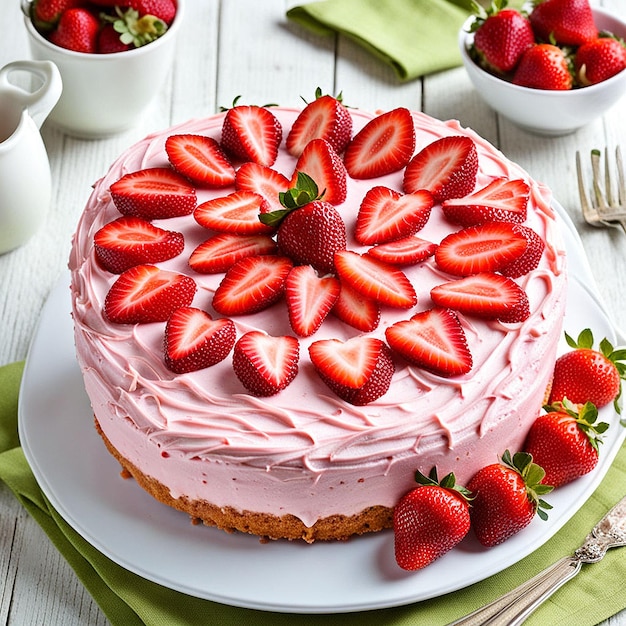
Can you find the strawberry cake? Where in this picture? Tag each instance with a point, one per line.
(281, 315)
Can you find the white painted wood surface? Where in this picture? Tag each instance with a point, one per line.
(229, 48)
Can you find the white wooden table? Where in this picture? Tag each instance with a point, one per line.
(229, 48)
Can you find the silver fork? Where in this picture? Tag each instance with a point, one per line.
(603, 209)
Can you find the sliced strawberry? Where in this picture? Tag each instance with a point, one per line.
(482, 248)
(219, 252)
(324, 118)
(237, 213)
(309, 298)
(405, 251)
(357, 311)
(129, 241)
(320, 161)
(145, 293)
(375, 280)
(194, 340)
(265, 181)
(200, 159)
(154, 193)
(434, 340)
(252, 284)
(358, 370)
(251, 133)
(502, 200)
(447, 167)
(384, 145)
(531, 257)
(487, 295)
(386, 215)
(265, 364)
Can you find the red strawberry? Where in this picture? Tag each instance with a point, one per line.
(375, 280)
(434, 340)
(384, 145)
(194, 340)
(145, 293)
(46, 13)
(489, 296)
(251, 284)
(446, 167)
(405, 251)
(264, 364)
(485, 247)
(237, 213)
(429, 520)
(109, 41)
(544, 66)
(309, 299)
(251, 133)
(129, 241)
(154, 193)
(320, 161)
(588, 375)
(506, 498)
(323, 118)
(564, 22)
(599, 59)
(386, 215)
(77, 30)
(564, 441)
(219, 252)
(200, 159)
(163, 9)
(264, 181)
(530, 258)
(358, 370)
(502, 200)
(357, 311)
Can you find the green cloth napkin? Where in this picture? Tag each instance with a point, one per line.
(127, 599)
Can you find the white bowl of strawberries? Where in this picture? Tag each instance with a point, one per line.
(551, 69)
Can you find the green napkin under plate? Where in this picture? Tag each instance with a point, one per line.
(127, 599)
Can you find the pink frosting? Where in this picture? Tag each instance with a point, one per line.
(305, 451)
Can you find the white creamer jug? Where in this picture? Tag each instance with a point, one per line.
(25, 185)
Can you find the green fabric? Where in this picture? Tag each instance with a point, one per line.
(415, 37)
(127, 599)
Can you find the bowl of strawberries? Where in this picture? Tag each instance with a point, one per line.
(106, 52)
(550, 68)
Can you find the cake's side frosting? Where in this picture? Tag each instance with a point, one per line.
(305, 452)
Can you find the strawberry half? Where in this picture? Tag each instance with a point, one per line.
(309, 299)
(264, 181)
(251, 133)
(219, 252)
(265, 364)
(530, 258)
(482, 248)
(320, 161)
(502, 200)
(356, 310)
(237, 213)
(405, 251)
(487, 295)
(194, 340)
(447, 168)
(323, 118)
(145, 293)
(129, 241)
(200, 159)
(154, 193)
(386, 215)
(375, 280)
(252, 284)
(384, 145)
(434, 340)
(358, 370)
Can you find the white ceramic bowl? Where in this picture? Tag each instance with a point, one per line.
(547, 112)
(104, 94)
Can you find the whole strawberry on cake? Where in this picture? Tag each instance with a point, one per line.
(281, 315)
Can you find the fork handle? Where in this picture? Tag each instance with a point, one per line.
(514, 607)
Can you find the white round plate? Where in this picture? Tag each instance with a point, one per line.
(83, 482)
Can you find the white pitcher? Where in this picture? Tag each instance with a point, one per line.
(25, 185)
